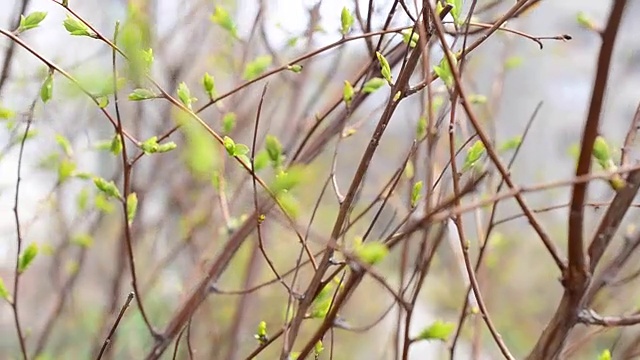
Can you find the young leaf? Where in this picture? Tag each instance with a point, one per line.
(584, 21)
(46, 91)
(421, 128)
(410, 37)
(76, 27)
(415, 193)
(473, 154)
(385, 69)
(6, 114)
(83, 240)
(346, 21)
(372, 252)
(228, 122)
(167, 147)
(31, 21)
(261, 333)
(222, 18)
(439, 330)
(27, 257)
(347, 92)
(256, 67)
(605, 355)
(444, 71)
(150, 146)
(373, 84)
(456, 11)
(209, 85)
(274, 150)
(261, 160)
(229, 145)
(240, 150)
(285, 181)
(132, 207)
(142, 94)
(64, 144)
(295, 68)
(108, 188)
(116, 145)
(511, 144)
(185, 95)
(4, 292)
(602, 153)
(318, 348)
(66, 168)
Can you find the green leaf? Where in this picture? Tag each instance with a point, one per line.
(142, 94)
(4, 292)
(477, 99)
(83, 240)
(76, 27)
(415, 193)
(410, 37)
(456, 11)
(605, 355)
(347, 92)
(150, 146)
(166, 147)
(209, 85)
(108, 188)
(346, 21)
(602, 153)
(132, 207)
(286, 181)
(513, 62)
(240, 150)
(289, 204)
(6, 113)
(27, 257)
(82, 199)
(372, 252)
(261, 333)
(511, 144)
(66, 169)
(185, 95)
(274, 150)
(31, 21)
(256, 67)
(229, 145)
(103, 101)
(473, 154)
(385, 69)
(318, 348)
(295, 68)
(64, 144)
(444, 71)
(228, 122)
(421, 128)
(46, 91)
(261, 160)
(201, 152)
(103, 204)
(116, 145)
(373, 84)
(221, 18)
(439, 330)
(585, 21)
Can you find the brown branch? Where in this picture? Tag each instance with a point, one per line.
(590, 317)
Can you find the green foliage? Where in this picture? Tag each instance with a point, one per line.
(605, 355)
(347, 92)
(31, 21)
(83, 240)
(234, 149)
(473, 155)
(415, 193)
(256, 67)
(385, 69)
(421, 128)
(108, 188)
(222, 18)
(142, 94)
(76, 27)
(201, 151)
(102, 203)
(373, 84)
(185, 95)
(477, 99)
(228, 122)
(132, 207)
(346, 21)
(511, 144)
(4, 292)
(46, 90)
(274, 151)
(116, 144)
(602, 153)
(261, 333)
(66, 169)
(456, 11)
(82, 199)
(65, 145)
(295, 68)
(410, 37)
(443, 70)
(439, 330)
(209, 85)
(585, 21)
(26, 258)
(135, 40)
(261, 160)
(513, 62)
(287, 180)
(371, 252)
(6, 113)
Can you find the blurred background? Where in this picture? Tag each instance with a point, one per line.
(80, 279)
